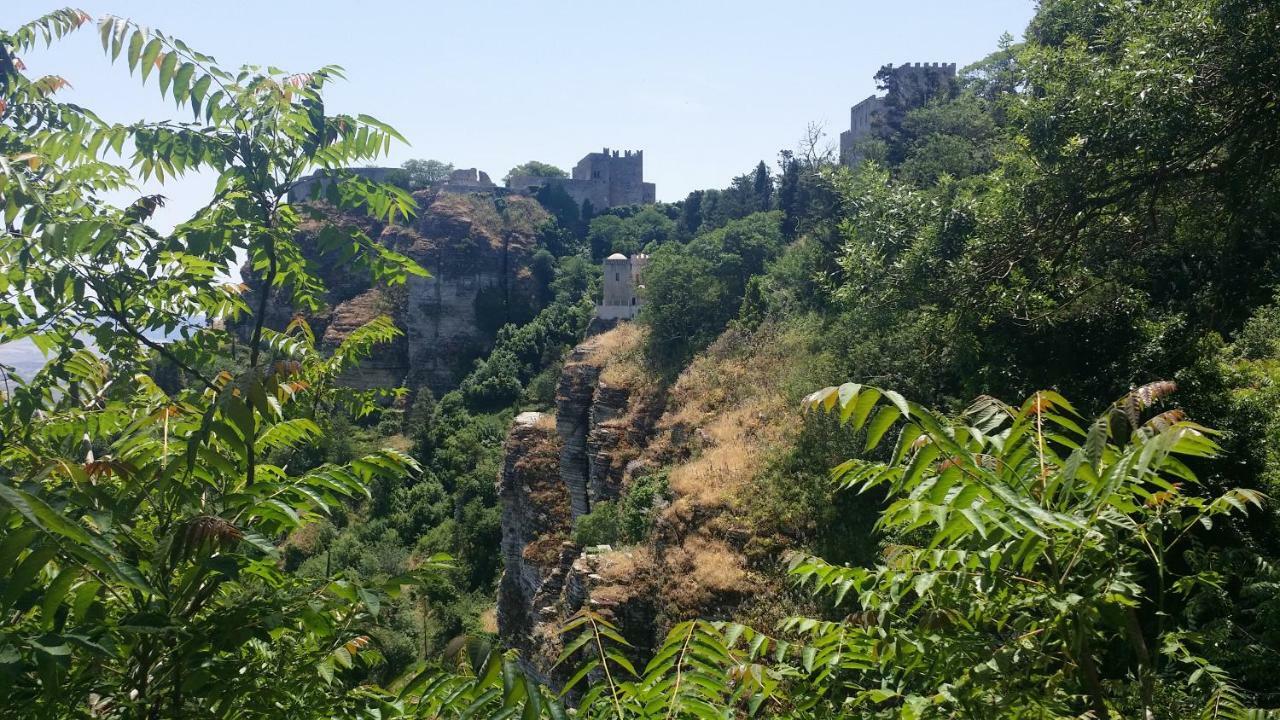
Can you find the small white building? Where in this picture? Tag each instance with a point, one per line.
(623, 290)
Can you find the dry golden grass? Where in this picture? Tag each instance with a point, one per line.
(398, 442)
(727, 415)
(624, 575)
(489, 620)
(703, 570)
(710, 480)
(624, 338)
(730, 404)
(619, 353)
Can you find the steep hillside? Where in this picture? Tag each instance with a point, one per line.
(689, 474)
(478, 249)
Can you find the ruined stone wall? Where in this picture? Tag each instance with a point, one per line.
(468, 179)
(594, 190)
(302, 189)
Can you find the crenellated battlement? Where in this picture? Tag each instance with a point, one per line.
(944, 67)
(912, 83)
(605, 179)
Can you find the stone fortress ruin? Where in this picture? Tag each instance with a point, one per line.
(468, 180)
(623, 289)
(605, 179)
(912, 83)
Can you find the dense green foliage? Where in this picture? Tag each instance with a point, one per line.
(138, 526)
(613, 233)
(450, 506)
(694, 290)
(1086, 212)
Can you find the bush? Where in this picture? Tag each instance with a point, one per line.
(598, 527)
(695, 290)
(635, 516)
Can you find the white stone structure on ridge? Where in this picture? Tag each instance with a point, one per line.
(623, 290)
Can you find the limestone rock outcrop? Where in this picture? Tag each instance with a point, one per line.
(600, 425)
(599, 422)
(477, 248)
(710, 549)
(536, 525)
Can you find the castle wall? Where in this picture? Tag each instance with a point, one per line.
(301, 190)
(860, 122)
(915, 84)
(594, 190)
(608, 179)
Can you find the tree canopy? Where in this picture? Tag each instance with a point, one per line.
(426, 172)
(534, 168)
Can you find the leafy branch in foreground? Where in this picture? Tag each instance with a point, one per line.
(138, 524)
(1034, 563)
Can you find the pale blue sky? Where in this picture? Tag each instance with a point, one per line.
(706, 89)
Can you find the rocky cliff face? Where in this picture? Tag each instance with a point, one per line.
(615, 425)
(536, 550)
(599, 424)
(477, 249)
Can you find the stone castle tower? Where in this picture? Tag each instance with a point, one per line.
(914, 86)
(605, 179)
(623, 290)
(622, 175)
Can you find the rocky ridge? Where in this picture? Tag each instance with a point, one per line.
(614, 424)
(478, 249)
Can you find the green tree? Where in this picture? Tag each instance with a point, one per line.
(905, 91)
(651, 227)
(762, 185)
(693, 292)
(954, 139)
(426, 172)
(139, 526)
(682, 307)
(568, 215)
(608, 234)
(534, 168)
(690, 220)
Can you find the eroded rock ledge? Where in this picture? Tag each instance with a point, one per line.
(708, 553)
